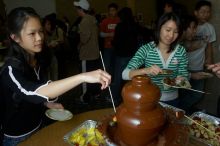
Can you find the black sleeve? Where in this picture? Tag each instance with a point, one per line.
(15, 81)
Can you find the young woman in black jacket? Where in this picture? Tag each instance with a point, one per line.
(25, 90)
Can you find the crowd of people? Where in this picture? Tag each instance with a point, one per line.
(30, 81)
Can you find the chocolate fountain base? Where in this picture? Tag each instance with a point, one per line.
(173, 134)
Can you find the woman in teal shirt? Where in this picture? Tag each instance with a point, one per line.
(163, 53)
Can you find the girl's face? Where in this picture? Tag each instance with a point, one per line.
(191, 31)
(168, 32)
(203, 14)
(31, 36)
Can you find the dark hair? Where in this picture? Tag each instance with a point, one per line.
(113, 5)
(163, 19)
(169, 3)
(17, 17)
(187, 20)
(125, 15)
(15, 22)
(202, 3)
(51, 20)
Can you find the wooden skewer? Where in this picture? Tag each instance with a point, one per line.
(202, 126)
(110, 92)
(197, 91)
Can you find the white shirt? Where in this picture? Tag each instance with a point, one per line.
(205, 34)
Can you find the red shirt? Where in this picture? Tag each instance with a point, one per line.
(107, 26)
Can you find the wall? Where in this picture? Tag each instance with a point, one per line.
(66, 8)
(43, 7)
(148, 8)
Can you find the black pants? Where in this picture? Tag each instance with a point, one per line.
(91, 65)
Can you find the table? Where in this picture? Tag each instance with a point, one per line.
(52, 135)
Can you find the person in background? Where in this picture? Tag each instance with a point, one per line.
(67, 24)
(215, 68)
(88, 47)
(25, 89)
(163, 53)
(107, 29)
(168, 6)
(200, 53)
(125, 43)
(189, 25)
(51, 41)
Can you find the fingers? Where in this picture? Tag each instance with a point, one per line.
(210, 66)
(105, 79)
(155, 70)
(99, 76)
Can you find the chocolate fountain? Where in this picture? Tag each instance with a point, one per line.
(139, 118)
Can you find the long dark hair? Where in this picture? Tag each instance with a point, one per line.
(15, 22)
(163, 19)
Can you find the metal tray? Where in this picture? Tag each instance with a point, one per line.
(213, 120)
(207, 117)
(87, 125)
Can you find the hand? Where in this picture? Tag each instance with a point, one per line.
(97, 76)
(198, 76)
(153, 70)
(54, 105)
(215, 68)
(180, 78)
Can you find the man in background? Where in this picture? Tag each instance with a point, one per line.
(88, 46)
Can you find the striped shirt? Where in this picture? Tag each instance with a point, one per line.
(148, 55)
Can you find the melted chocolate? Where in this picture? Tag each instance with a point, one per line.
(140, 118)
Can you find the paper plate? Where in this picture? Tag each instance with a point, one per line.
(59, 114)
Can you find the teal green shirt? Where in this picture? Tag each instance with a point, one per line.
(148, 55)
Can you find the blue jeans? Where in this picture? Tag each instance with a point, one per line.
(120, 65)
(109, 59)
(8, 141)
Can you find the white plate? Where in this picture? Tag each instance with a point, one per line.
(59, 114)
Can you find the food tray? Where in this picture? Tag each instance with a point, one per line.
(212, 123)
(85, 125)
(207, 117)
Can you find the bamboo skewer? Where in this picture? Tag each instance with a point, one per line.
(110, 92)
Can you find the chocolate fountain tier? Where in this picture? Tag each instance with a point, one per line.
(139, 118)
(173, 133)
(139, 129)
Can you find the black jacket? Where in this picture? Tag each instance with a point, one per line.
(22, 108)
